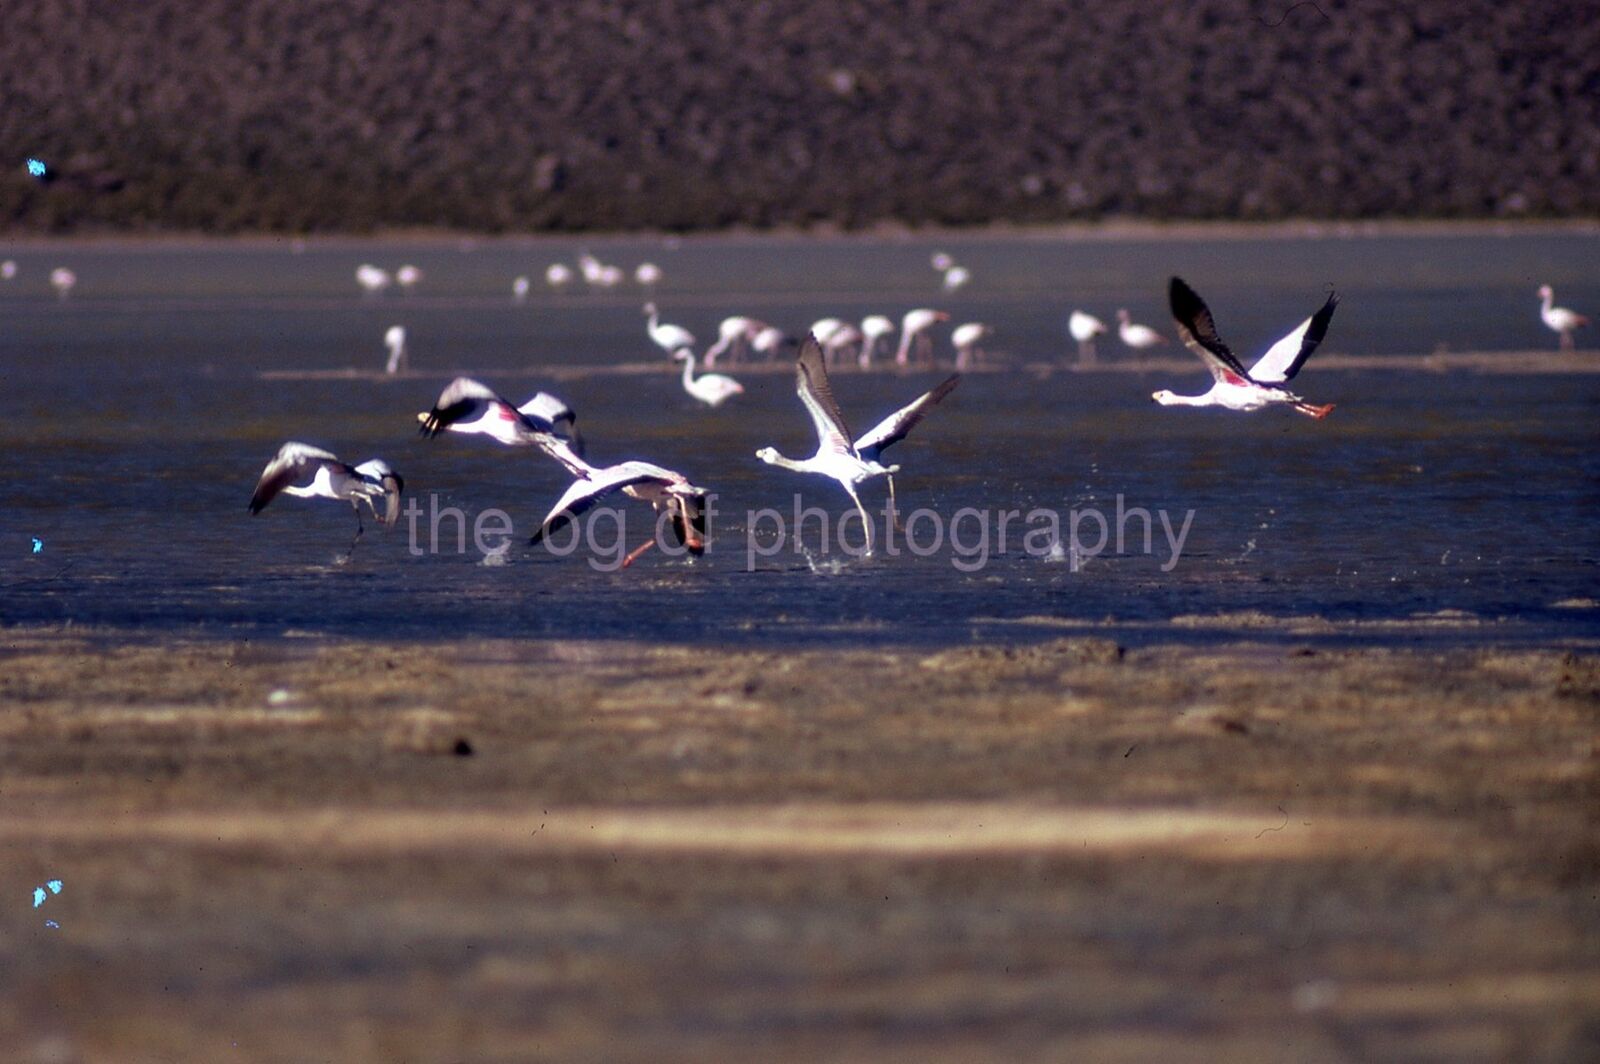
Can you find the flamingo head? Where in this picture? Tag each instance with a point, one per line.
(1546, 292)
(1164, 397)
(1122, 315)
(768, 455)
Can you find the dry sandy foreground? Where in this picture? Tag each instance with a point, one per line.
(314, 850)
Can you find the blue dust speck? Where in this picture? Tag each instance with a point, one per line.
(54, 885)
(52, 923)
(38, 896)
(35, 168)
(38, 544)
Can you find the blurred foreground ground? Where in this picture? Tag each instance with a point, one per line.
(653, 853)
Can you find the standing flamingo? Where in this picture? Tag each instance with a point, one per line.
(1138, 337)
(913, 332)
(1560, 320)
(1084, 328)
(666, 336)
(712, 389)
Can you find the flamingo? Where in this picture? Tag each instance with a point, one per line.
(838, 345)
(648, 274)
(712, 389)
(955, 277)
(1560, 320)
(1263, 383)
(558, 275)
(372, 279)
(1138, 337)
(734, 336)
(311, 473)
(849, 463)
(519, 289)
(966, 339)
(768, 341)
(668, 337)
(874, 327)
(395, 341)
(62, 280)
(407, 277)
(824, 328)
(473, 408)
(8, 269)
(913, 331)
(941, 261)
(1084, 328)
(664, 489)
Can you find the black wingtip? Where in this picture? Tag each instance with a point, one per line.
(1183, 299)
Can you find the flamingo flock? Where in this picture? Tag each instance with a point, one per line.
(548, 424)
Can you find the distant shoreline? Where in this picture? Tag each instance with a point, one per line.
(1070, 232)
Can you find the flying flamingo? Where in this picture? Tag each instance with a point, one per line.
(913, 331)
(667, 336)
(664, 489)
(1263, 383)
(1138, 337)
(712, 389)
(955, 277)
(1561, 320)
(473, 408)
(395, 341)
(558, 275)
(311, 473)
(407, 277)
(648, 274)
(849, 463)
(1084, 328)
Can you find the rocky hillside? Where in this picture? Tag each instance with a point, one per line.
(313, 115)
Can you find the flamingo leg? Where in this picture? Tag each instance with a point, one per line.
(646, 545)
(894, 507)
(361, 529)
(866, 522)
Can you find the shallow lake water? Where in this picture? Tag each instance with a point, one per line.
(1432, 506)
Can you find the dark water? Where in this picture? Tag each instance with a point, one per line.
(136, 423)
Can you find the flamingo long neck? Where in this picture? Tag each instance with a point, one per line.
(1189, 400)
(789, 463)
(688, 369)
(1549, 301)
(906, 337)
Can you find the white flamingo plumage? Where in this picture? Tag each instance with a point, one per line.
(850, 463)
(966, 338)
(372, 279)
(1262, 384)
(471, 407)
(395, 341)
(914, 333)
(1084, 327)
(670, 338)
(1139, 337)
(734, 337)
(712, 389)
(1559, 319)
(63, 281)
(664, 489)
(874, 327)
(308, 472)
